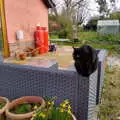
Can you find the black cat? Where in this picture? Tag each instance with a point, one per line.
(86, 60)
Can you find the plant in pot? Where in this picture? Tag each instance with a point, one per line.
(51, 112)
(23, 108)
(3, 105)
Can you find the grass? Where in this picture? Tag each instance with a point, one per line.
(109, 42)
(54, 37)
(110, 107)
(113, 48)
(91, 35)
(94, 36)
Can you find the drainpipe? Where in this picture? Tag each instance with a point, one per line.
(4, 30)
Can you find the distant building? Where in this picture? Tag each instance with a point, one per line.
(108, 26)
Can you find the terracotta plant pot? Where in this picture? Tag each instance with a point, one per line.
(26, 99)
(2, 110)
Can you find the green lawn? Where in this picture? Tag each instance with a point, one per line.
(113, 48)
(94, 36)
(110, 107)
(109, 42)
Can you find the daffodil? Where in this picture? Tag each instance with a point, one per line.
(66, 102)
(49, 103)
(63, 105)
(42, 115)
(52, 102)
(61, 110)
(69, 107)
(35, 107)
(34, 115)
(69, 111)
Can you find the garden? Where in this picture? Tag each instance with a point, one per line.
(70, 26)
(35, 108)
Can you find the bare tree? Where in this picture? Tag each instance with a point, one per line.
(53, 9)
(79, 17)
(71, 6)
(104, 9)
(81, 13)
(73, 11)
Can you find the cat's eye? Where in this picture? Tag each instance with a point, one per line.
(78, 56)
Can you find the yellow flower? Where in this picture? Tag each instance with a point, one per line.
(69, 107)
(42, 115)
(34, 115)
(66, 102)
(63, 105)
(35, 107)
(49, 103)
(61, 110)
(69, 111)
(52, 103)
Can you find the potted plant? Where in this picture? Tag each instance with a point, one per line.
(51, 112)
(23, 108)
(3, 105)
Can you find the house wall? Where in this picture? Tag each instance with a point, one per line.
(24, 15)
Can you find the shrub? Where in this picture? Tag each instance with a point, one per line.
(62, 34)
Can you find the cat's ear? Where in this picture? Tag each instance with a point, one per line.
(74, 48)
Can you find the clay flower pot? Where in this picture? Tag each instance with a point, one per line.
(27, 99)
(3, 108)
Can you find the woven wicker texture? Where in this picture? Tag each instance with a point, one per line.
(101, 70)
(19, 80)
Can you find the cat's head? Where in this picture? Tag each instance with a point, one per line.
(76, 53)
(85, 52)
(86, 60)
